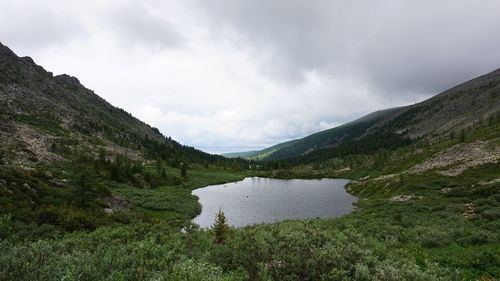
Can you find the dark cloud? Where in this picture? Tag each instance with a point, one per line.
(397, 46)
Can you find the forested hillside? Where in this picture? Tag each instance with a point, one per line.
(449, 113)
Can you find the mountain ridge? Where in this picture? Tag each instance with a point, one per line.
(45, 114)
(449, 111)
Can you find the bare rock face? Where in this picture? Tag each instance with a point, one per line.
(67, 80)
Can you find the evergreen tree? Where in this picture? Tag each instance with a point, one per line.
(183, 169)
(158, 165)
(220, 227)
(83, 191)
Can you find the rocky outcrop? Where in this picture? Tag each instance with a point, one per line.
(458, 158)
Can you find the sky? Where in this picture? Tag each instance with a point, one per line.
(229, 75)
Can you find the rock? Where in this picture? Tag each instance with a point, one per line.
(48, 174)
(466, 155)
(489, 182)
(67, 80)
(57, 182)
(401, 198)
(115, 203)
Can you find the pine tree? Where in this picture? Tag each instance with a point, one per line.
(83, 192)
(220, 227)
(183, 170)
(158, 166)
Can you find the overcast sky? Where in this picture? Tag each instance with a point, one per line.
(228, 75)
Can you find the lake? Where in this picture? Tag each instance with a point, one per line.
(264, 200)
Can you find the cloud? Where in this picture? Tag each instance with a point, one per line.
(33, 24)
(228, 75)
(139, 26)
(400, 47)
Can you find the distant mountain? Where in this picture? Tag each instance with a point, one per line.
(246, 154)
(46, 118)
(449, 112)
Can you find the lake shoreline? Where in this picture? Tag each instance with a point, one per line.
(256, 200)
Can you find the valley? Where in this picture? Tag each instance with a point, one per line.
(88, 192)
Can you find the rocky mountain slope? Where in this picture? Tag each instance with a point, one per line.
(70, 161)
(46, 118)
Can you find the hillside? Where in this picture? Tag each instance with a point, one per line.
(49, 118)
(88, 192)
(447, 113)
(68, 158)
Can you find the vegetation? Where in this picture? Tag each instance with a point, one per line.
(220, 227)
(425, 238)
(408, 227)
(109, 197)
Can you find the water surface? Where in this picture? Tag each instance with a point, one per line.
(264, 200)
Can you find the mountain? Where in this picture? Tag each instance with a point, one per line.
(69, 159)
(324, 139)
(246, 154)
(259, 154)
(446, 113)
(47, 118)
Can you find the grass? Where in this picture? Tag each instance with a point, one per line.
(447, 229)
(175, 201)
